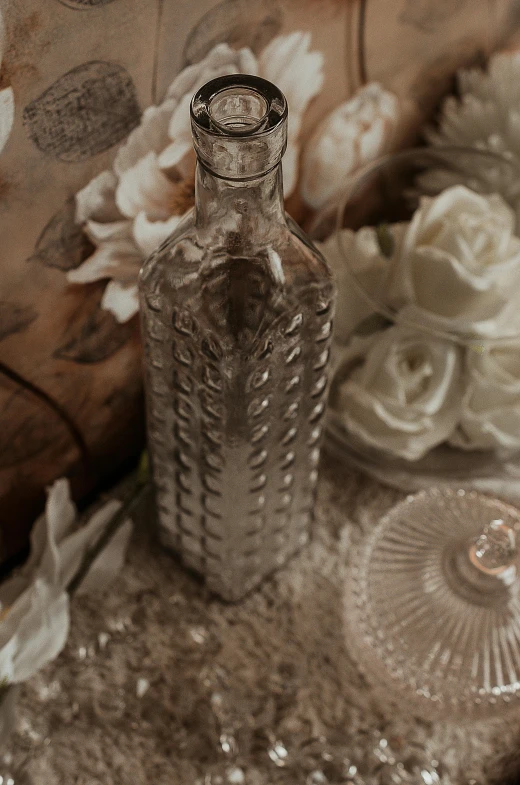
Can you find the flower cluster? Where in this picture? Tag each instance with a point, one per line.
(129, 210)
(485, 115)
(449, 368)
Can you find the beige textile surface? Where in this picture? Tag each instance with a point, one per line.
(162, 684)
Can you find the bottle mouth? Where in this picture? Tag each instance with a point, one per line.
(238, 110)
(238, 105)
(239, 126)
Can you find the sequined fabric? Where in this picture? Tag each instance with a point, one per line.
(160, 684)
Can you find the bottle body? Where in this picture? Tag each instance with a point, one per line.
(236, 316)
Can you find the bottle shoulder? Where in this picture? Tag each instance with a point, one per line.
(285, 254)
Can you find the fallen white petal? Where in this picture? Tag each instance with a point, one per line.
(150, 234)
(42, 630)
(109, 562)
(58, 521)
(73, 549)
(6, 115)
(122, 301)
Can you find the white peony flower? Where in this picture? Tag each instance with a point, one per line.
(458, 268)
(491, 403)
(355, 133)
(35, 607)
(6, 96)
(486, 116)
(399, 391)
(359, 266)
(129, 211)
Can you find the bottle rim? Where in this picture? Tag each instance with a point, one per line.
(204, 107)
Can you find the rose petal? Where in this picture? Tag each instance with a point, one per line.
(122, 301)
(6, 115)
(360, 256)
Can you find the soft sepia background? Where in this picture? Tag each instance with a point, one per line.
(82, 72)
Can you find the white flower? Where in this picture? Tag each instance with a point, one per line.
(399, 391)
(35, 606)
(355, 133)
(486, 116)
(6, 96)
(360, 268)
(491, 403)
(129, 211)
(458, 269)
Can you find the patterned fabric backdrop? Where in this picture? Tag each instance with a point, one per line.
(77, 78)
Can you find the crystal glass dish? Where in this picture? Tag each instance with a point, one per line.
(432, 605)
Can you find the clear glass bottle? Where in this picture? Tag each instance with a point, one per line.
(237, 310)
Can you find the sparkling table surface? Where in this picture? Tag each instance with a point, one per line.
(162, 684)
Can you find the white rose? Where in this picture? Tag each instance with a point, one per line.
(356, 132)
(491, 403)
(360, 268)
(399, 391)
(459, 265)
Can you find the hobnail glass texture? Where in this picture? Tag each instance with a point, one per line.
(237, 311)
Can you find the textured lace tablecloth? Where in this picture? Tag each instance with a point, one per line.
(162, 684)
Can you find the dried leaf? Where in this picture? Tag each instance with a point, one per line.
(93, 336)
(239, 23)
(15, 318)
(62, 243)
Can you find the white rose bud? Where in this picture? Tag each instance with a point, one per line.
(491, 403)
(399, 391)
(459, 265)
(356, 132)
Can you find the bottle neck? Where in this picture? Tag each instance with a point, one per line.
(251, 209)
